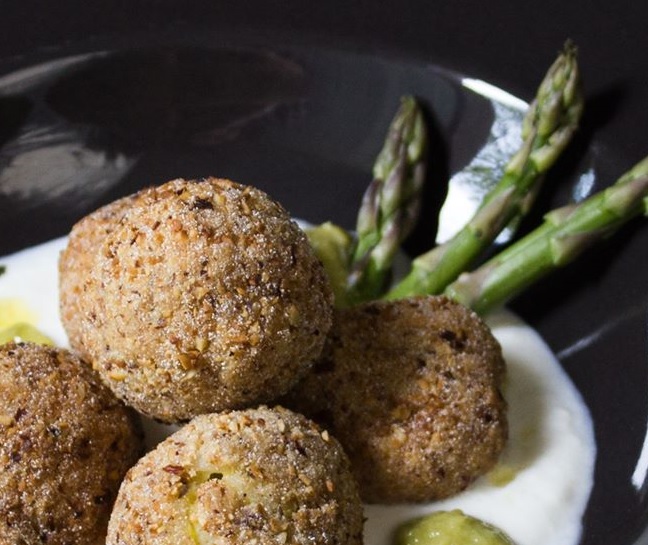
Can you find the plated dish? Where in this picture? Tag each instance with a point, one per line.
(539, 488)
(97, 125)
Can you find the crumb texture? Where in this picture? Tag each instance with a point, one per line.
(193, 297)
(412, 391)
(66, 443)
(260, 476)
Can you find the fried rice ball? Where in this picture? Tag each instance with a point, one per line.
(411, 389)
(263, 476)
(194, 297)
(66, 443)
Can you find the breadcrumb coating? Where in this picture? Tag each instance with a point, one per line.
(193, 297)
(260, 476)
(66, 443)
(412, 390)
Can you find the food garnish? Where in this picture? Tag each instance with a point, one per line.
(548, 127)
(550, 123)
(564, 235)
(391, 203)
(450, 528)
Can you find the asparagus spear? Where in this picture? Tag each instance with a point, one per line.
(548, 127)
(391, 203)
(566, 233)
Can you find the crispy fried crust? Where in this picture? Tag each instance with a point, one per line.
(262, 476)
(193, 297)
(65, 445)
(411, 390)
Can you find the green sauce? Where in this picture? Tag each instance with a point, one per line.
(450, 528)
(23, 332)
(15, 323)
(332, 245)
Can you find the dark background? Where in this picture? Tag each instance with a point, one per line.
(502, 42)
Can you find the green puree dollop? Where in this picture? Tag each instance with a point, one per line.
(332, 245)
(450, 528)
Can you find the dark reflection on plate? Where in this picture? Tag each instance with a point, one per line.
(73, 128)
(14, 111)
(293, 122)
(176, 96)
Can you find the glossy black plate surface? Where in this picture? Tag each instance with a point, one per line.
(99, 100)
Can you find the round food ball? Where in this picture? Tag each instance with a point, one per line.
(263, 476)
(194, 297)
(81, 255)
(66, 443)
(411, 388)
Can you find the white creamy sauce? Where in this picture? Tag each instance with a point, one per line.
(550, 453)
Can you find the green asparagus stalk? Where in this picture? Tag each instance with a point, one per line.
(548, 127)
(564, 235)
(391, 203)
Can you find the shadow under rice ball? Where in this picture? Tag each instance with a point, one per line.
(66, 443)
(194, 297)
(262, 476)
(411, 389)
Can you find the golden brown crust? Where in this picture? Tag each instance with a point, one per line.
(81, 258)
(411, 390)
(197, 297)
(65, 445)
(264, 476)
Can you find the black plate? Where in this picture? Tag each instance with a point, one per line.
(295, 99)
